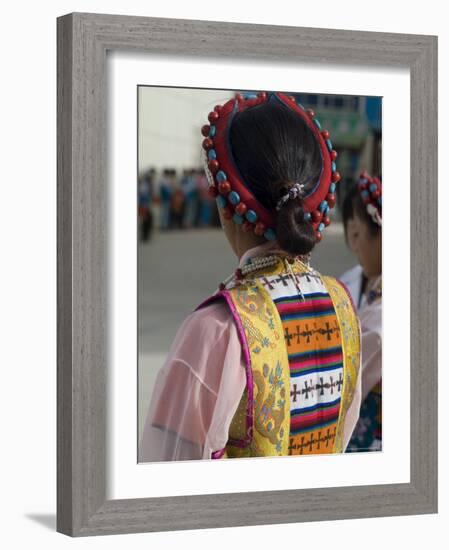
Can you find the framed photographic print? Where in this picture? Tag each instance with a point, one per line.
(167, 368)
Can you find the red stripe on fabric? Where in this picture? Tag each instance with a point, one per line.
(314, 417)
(314, 305)
(300, 365)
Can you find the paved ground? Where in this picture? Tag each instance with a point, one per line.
(179, 269)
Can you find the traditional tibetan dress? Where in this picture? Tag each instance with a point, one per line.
(367, 434)
(301, 342)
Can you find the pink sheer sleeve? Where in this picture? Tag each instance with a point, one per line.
(197, 390)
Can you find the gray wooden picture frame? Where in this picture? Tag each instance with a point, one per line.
(83, 40)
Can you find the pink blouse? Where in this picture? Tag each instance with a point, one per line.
(199, 387)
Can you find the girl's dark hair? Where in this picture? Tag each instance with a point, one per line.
(273, 148)
(353, 203)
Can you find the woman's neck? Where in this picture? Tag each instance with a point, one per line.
(245, 242)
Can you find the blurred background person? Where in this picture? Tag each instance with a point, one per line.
(206, 201)
(177, 202)
(362, 218)
(145, 198)
(190, 193)
(165, 196)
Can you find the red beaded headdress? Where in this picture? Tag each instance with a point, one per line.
(227, 185)
(370, 189)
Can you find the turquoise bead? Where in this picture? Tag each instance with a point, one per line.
(221, 201)
(211, 155)
(212, 131)
(221, 176)
(270, 235)
(373, 187)
(321, 227)
(250, 96)
(365, 194)
(302, 106)
(332, 188)
(323, 206)
(234, 197)
(334, 167)
(307, 216)
(317, 123)
(329, 144)
(251, 216)
(237, 219)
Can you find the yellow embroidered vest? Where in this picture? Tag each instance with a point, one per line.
(302, 357)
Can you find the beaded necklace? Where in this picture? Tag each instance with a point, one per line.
(257, 263)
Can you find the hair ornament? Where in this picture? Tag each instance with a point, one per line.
(294, 192)
(370, 189)
(228, 187)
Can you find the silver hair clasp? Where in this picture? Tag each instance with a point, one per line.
(294, 192)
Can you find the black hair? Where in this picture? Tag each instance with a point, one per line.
(273, 148)
(352, 203)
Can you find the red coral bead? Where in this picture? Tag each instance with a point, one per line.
(227, 212)
(218, 108)
(315, 225)
(335, 177)
(310, 112)
(331, 200)
(292, 98)
(213, 165)
(241, 208)
(239, 97)
(224, 187)
(318, 236)
(316, 216)
(213, 116)
(247, 226)
(326, 220)
(205, 130)
(221, 286)
(334, 155)
(376, 194)
(207, 143)
(238, 273)
(325, 134)
(259, 228)
(263, 96)
(213, 191)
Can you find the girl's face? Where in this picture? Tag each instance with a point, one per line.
(365, 246)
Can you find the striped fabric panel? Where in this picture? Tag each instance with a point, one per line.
(313, 340)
